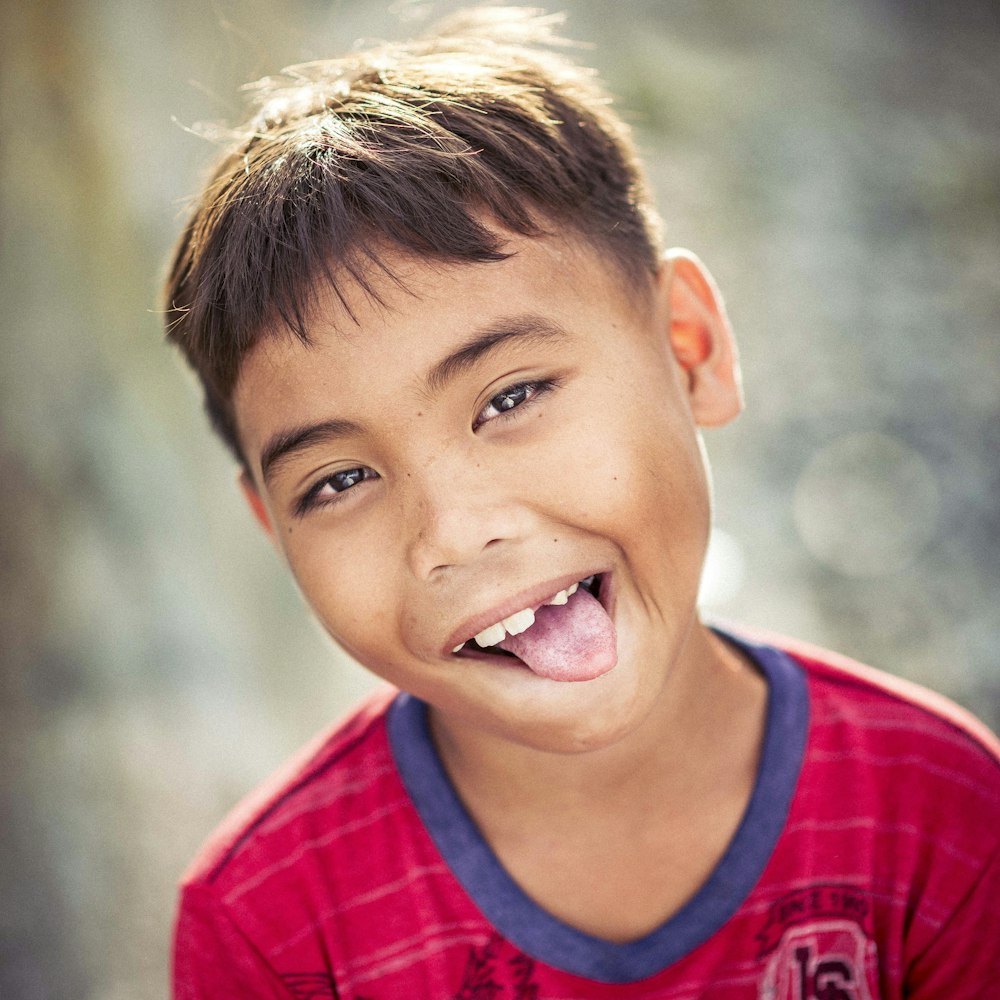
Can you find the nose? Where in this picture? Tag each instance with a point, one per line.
(456, 512)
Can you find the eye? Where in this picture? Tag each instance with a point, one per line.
(329, 489)
(511, 398)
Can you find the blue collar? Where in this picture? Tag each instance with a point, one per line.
(537, 933)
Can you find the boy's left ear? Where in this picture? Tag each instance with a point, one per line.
(255, 503)
(701, 338)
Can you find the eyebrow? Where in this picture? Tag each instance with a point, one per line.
(284, 444)
(526, 328)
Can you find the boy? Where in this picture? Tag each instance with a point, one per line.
(427, 302)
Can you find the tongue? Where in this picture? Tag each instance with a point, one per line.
(569, 642)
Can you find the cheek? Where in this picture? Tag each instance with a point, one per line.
(338, 578)
(640, 469)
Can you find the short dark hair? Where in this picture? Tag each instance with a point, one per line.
(432, 147)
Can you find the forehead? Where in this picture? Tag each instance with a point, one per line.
(366, 346)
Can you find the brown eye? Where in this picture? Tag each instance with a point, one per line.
(341, 481)
(509, 398)
(512, 398)
(329, 489)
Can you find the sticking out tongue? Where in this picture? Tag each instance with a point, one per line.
(569, 642)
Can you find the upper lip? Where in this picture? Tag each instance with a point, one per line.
(531, 597)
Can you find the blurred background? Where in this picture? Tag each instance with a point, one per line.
(836, 165)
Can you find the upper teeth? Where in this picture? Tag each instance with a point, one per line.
(519, 622)
(492, 635)
(516, 623)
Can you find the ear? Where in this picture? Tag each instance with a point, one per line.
(256, 504)
(701, 338)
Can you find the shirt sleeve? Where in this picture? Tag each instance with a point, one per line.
(213, 958)
(962, 962)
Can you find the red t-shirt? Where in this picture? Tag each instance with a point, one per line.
(866, 866)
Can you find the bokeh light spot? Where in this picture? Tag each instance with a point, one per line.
(724, 570)
(866, 505)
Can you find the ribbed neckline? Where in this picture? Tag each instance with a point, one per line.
(547, 939)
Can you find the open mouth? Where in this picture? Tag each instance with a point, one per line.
(487, 642)
(567, 637)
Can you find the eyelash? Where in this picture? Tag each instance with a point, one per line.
(310, 501)
(536, 389)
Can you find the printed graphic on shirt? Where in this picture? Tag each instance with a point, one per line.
(480, 980)
(818, 946)
(310, 985)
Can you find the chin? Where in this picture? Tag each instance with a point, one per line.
(578, 717)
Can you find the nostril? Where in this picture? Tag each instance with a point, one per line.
(448, 534)
(444, 566)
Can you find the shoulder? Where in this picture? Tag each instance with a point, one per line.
(893, 747)
(881, 707)
(898, 797)
(874, 703)
(346, 770)
(316, 870)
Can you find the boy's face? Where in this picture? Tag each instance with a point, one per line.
(420, 481)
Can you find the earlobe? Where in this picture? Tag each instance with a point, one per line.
(256, 504)
(701, 339)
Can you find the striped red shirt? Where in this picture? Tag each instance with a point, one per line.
(866, 866)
